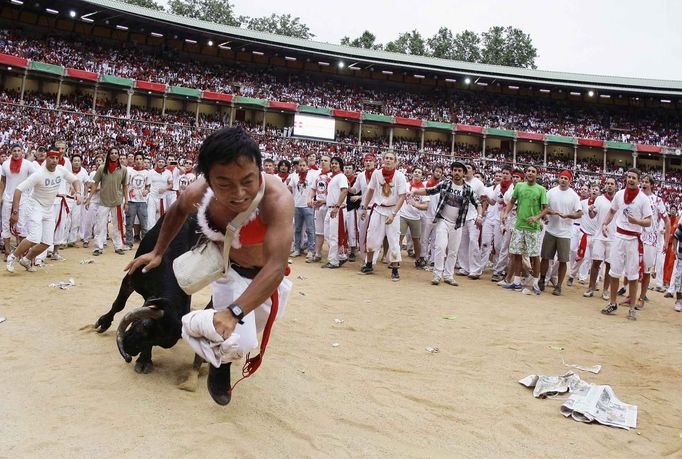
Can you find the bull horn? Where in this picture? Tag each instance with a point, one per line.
(145, 312)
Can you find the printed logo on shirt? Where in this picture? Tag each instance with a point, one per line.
(49, 182)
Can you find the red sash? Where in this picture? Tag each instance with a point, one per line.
(582, 247)
(62, 205)
(640, 247)
(119, 217)
(162, 207)
(343, 237)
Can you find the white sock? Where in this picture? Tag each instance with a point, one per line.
(517, 280)
(535, 282)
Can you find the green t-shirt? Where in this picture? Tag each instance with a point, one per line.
(111, 186)
(529, 202)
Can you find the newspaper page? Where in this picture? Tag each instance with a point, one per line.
(547, 386)
(599, 403)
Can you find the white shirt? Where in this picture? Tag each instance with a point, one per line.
(137, 182)
(492, 214)
(320, 186)
(650, 234)
(601, 207)
(410, 212)
(451, 212)
(566, 202)
(334, 187)
(95, 196)
(159, 181)
(398, 185)
(64, 187)
(588, 225)
(175, 175)
(301, 191)
(83, 177)
(361, 185)
(478, 188)
(46, 184)
(640, 207)
(12, 180)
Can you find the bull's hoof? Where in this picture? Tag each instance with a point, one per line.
(190, 384)
(219, 383)
(144, 367)
(102, 324)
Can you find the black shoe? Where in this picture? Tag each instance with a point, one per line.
(351, 257)
(621, 291)
(610, 308)
(367, 269)
(218, 383)
(541, 284)
(557, 291)
(395, 275)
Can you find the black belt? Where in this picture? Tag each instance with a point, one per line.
(248, 273)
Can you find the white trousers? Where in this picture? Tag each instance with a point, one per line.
(75, 228)
(447, 239)
(331, 235)
(154, 210)
(351, 219)
(491, 238)
(469, 250)
(227, 289)
(428, 238)
(581, 268)
(62, 207)
(378, 229)
(88, 221)
(7, 213)
(102, 223)
(660, 265)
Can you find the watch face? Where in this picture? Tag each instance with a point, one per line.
(237, 310)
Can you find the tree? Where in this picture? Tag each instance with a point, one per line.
(280, 24)
(441, 44)
(408, 43)
(466, 47)
(367, 41)
(146, 3)
(508, 46)
(217, 11)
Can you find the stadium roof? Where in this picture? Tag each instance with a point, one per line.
(386, 60)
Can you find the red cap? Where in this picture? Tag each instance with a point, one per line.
(54, 153)
(369, 156)
(566, 173)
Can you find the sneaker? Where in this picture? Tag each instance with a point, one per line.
(420, 263)
(410, 253)
(25, 262)
(451, 281)
(660, 289)
(435, 280)
(56, 257)
(495, 278)
(474, 276)
(503, 283)
(295, 253)
(632, 315)
(384, 260)
(461, 272)
(97, 252)
(589, 293)
(351, 257)
(569, 283)
(541, 284)
(309, 257)
(621, 291)
(316, 259)
(512, 286)
(639, 305)
(86, 244)
(556, 291)
(11, 261)
(367, 269)
(330, 266)
(668, 295)
(605, 296)
(678, 306)
(120, 252)
(395, 275)
(554, 281)
(610, 309)
(533, 291)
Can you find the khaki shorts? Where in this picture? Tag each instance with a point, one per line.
(559, 246)
(414, 225)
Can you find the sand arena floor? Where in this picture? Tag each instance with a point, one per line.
(68, 393)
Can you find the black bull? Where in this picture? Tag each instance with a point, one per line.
(158, 321)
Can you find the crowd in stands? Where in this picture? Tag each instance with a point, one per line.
(650, 126)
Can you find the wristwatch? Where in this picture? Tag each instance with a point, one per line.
(237, 312)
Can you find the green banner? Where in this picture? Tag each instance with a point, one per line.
(118, 81)
(240, 100)
(47, 68)
(611, 145)
(315, 110)
(377, 118)
(500, 132)
(559, 139)
(439, 125)
(181, 91)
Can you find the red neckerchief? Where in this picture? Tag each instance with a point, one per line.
(61, 161)
(351, 179)
(368, 174)
(170, 168)
(15, 165)
(138, 168)
(431, 182)
(334, 174)
(504, 185)
(40, 161)
(159, 171)
(112, 167)
(590, 201)
(630, 195)
(283, 176)
(388, 175)
(416, 186)
(74, 170)
(188, 170)
(606, 195)
(313, 167)
(302, 176)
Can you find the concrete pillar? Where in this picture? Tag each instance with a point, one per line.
(422, 140)
(130, 101)
(94, 100)
(575, 157)
(514, 153)
(664, 161)
(452, 143)
(265, 112)
(483, 146)
(23, 87)
(232, 113)
(360, 136)
(59, 91)
(163, 106)
(604, 160)
(634, 159)
(196, 118)
(544, 154)
(390, 138)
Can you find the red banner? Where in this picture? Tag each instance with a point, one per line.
(149, 86)
(210, 95)
(81, 74)
(591, 143)
(529, 136)
(467, 128)
(409, 122)
(648, 148)
(16, 61)
(346, 114)
(283, 105)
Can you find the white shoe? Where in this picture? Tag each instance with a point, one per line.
(503, 283)
(678, 306)
(606, 296)
(11, 261)
(56, 257)
(295, 253)
(435, 280)
(26, 263)
(589, 293)
(451, 281)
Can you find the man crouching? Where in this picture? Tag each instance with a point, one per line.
(254, 292)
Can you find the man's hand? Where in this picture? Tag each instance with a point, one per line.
(363, 214)
(87, 203)
(479, 221)
(533, 219)
(390, 219)
(13, 219)
(605, 230)
(125, 207)
(333, 212)
(634, 221)
(148, 261)
(224, 323)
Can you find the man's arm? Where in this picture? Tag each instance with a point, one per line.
(2, 187)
